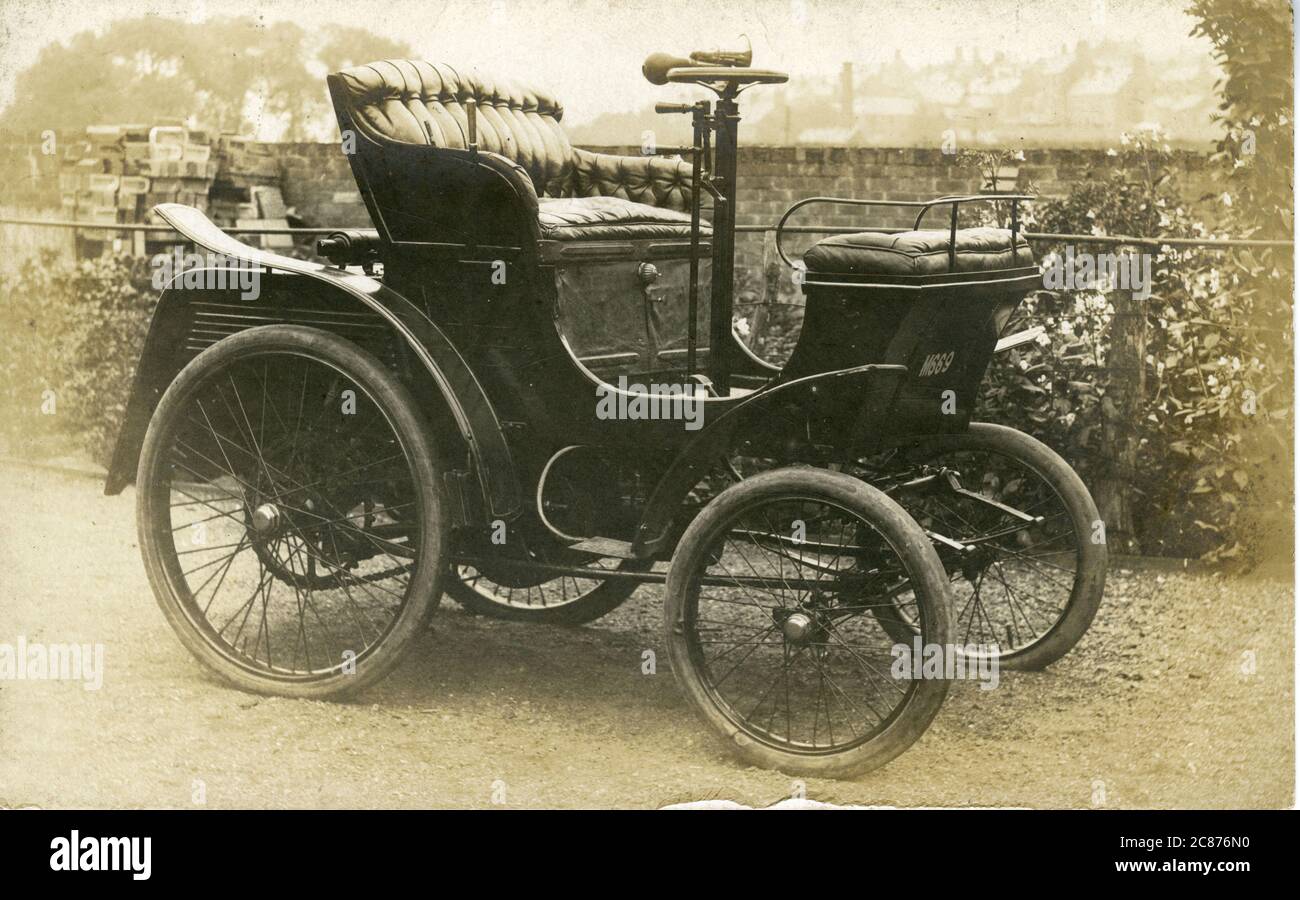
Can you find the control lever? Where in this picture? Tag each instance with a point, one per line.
(674, 107)
(709, 185)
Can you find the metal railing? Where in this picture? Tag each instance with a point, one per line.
(1117, 239)
(161, 228)
(1211, 243)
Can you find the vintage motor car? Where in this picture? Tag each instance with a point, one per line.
(430, 410)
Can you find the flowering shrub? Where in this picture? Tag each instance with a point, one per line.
(1176, 408)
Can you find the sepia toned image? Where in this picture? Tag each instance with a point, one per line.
(629, 405)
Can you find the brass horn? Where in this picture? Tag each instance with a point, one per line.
(738, 57)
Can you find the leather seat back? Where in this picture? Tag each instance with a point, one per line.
(415, 102)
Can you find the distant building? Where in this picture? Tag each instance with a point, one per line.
(1088, 95)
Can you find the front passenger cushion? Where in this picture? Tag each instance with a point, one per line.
(917, 253)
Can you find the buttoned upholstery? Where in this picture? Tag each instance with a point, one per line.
(415, 102)
(610, 218)
(652, 180)
(917, 253)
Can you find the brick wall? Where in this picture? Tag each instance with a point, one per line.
(770, 179)
(317, 181)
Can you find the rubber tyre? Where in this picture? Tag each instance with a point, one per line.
(906, 539)
(1090, 576)
(408, 424)
(599, 601)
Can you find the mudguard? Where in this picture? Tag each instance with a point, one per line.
(464, 394)
(839, 410)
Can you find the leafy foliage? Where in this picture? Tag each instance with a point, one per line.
(70, 335)
(1253, 43)
(1212, 414)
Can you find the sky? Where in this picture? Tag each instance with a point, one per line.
(593, 50)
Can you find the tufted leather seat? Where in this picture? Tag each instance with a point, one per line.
(606, 197)
(916, 253)
(652, 180)
(610, 218)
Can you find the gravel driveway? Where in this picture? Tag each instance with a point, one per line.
(1180, 696)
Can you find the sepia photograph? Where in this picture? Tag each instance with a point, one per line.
(642, 405)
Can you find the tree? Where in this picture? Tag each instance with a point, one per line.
(1253, 43)
(234, 74)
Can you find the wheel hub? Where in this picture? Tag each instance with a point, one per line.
(266, 520)
(799, 628)
(976, 562)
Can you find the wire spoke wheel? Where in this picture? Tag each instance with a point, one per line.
(566, 600)
(769, 620)
(286, 506)
(1024, 591)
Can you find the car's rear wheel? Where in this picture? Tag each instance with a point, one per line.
(566, 600)
(289, 514)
